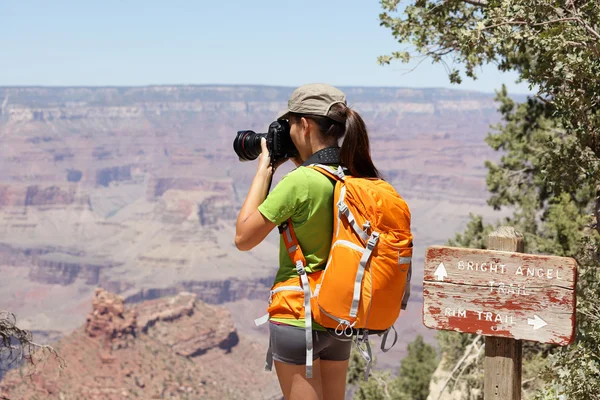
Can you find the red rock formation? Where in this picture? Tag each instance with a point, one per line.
(110, 320)
(175, 348)
(206, 327)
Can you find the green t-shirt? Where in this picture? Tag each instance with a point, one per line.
(305, 196)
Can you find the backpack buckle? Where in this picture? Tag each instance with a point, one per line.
(281, 228)
(366, 226)
(372, 240)
(300, 268)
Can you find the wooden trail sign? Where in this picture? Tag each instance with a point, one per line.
(500, 293)
(505, 295)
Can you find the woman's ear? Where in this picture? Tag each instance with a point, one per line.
(305, 126)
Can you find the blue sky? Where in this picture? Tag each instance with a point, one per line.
(265, 42)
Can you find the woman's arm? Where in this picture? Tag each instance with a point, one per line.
(252, 227)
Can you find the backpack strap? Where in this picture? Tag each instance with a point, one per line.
(385, 336)
(340, 176)
(406, 296)
(269, 358)
(295, 252)
(291, 243)
(365, 351)
(337, 175)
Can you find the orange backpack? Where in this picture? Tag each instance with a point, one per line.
(366, 280)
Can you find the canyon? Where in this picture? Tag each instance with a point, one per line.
(135, 190)
(175, 347)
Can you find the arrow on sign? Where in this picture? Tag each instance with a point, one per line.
(536, 322)
(440, 272)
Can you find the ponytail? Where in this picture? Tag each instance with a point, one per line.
(355, 153)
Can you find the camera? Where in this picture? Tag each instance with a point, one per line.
(247, 143)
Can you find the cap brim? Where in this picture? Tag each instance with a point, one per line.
(284, 115)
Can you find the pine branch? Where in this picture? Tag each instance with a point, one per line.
(468, 362)
(468, 351)
(383, 383)
(554, 21)
(479, 3)
(517, 22)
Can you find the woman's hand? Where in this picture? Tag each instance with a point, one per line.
(264, 159)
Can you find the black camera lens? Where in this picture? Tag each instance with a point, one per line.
(247, 145)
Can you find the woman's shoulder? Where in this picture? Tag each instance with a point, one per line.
(312, 172)
(296, 180)
(307, 176)
(304, 173)
(299, 173)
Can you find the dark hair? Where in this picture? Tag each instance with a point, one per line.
(355, 153)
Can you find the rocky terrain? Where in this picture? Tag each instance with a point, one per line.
(169, 348)
(136, 190)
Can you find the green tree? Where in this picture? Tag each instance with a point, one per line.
(554, 45)
(549, 172)
(412, 382)
(380, 386)
(416, 370)
(356, 368)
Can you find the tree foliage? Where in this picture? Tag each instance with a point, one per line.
(550, 144)
(559, 224)
(412, 382)
(554, 45)
(416, 370)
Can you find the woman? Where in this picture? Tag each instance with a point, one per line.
(319, 118)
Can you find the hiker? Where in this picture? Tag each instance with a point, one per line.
(318, 118)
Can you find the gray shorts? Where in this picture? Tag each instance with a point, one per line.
(288, 344)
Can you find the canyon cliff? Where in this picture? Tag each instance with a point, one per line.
(175, 347)
(136, 190)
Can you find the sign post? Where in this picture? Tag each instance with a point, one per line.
(506, 296)
(503, 356)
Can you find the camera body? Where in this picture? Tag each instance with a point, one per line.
(247, 143)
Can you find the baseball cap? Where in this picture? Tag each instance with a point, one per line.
(315, 99)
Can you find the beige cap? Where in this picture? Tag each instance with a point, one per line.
(315, 99)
